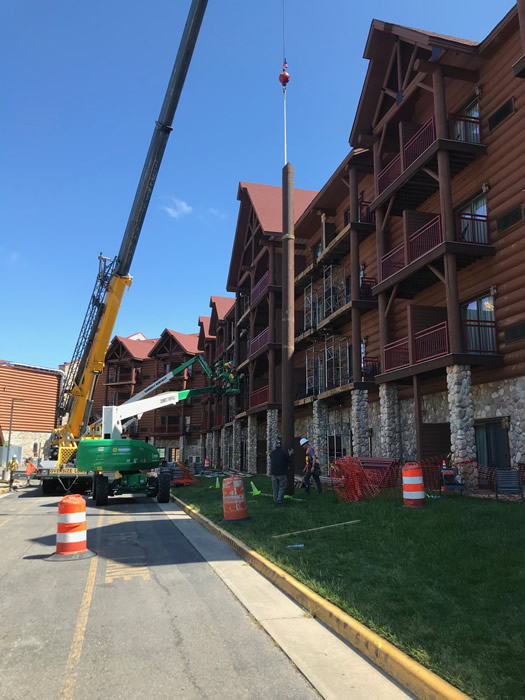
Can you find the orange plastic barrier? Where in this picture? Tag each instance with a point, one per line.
(413, 487)
(71, 530)
(233, 500)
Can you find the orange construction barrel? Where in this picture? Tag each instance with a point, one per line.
(413, 487)
(207, 463)
(71, 530)
(233, 500)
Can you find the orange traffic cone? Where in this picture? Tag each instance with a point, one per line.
(71, 530)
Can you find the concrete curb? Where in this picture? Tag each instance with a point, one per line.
(411, 675)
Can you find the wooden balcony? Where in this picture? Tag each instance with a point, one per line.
(259, 397)
(339, 316)
(428, 350)
(260, 288)
(404, 265)
(260, 341)
(404, 177)
(167, 429)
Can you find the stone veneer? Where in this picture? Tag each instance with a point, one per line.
(461, 415)
(209, 447)
(236, 444)
(251, 448)
(182, 448)
(272, 433)
(216, 438)
(374, 423)
(359, 422)
(320, 426)
(226, 447)
(389, 412)
(26, 440)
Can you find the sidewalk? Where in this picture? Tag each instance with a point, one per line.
(335, 669)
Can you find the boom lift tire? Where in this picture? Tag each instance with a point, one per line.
(101, 490)
(164, 480)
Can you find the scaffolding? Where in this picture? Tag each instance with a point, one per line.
(334, 289)
(337, 362)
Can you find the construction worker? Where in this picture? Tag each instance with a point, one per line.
(13, 465)
(312, 469)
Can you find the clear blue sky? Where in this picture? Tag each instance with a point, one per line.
(83, 83)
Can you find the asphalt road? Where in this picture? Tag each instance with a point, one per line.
(147, 617)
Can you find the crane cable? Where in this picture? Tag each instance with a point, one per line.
(284, 77)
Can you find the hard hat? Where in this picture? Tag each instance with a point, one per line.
(277, 443)
(303, 441)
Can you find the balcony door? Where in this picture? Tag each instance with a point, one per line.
(472, 221)
(465, 127)
(479, 327)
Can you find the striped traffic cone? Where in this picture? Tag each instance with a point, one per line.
(255, 490)
(71, 530)
(217, 483)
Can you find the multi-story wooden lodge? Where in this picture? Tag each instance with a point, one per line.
(132, 364)
(410, 291)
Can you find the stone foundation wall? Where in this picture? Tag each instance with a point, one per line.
(461, 411)
(209, 448)
(359, 422)
(374, 422)
(252, 444)
(390, 428)
(407, 425)
(236, 444)
(216, 436)
(272, 433)
(320, 442)
(26, 440)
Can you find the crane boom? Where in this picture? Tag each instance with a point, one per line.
(113, 277)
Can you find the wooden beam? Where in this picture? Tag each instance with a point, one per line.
(430, 172)
(391, 300)
(387, 213)
(437, 273)
(410, 67)
(424, 86)
(454, 72)
(396, 107)
(385, 83)
(399, 66)
(390, 92)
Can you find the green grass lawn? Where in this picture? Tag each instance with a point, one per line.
(444, 583)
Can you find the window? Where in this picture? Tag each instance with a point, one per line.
(506, 109)
(479, 327)
(162, 452)
(471, 221)
(465, 123)
(492, 443)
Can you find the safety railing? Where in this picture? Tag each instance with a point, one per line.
(463, 128)
(365, 215)
(260, 287)
(370, 368)
(259, 397)
(395, 355)
(422, 139)
(260, 341)
(479, 337)
(389, 174)
(472, 228)
(424, 239)
(431, 342)
(393, 261)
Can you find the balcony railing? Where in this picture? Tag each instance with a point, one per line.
(168, 429)
(424, 239)
(463, 128)
(260, 341)
(365, 215)
(393, 261)
(365, 291)
(260, 287)
(370, 368)
(217, 421)
(396, 355)
(472, 228)
(259, 397)
(389, 174)
(479, 337)
(205, 424)
(431, 342)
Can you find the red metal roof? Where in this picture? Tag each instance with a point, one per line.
(204, 322)
(222, 306)
(267, 200)
(138, 349)
(187, 341)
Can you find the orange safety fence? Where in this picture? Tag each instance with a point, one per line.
(181, 476)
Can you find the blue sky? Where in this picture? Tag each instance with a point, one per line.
(83, 85)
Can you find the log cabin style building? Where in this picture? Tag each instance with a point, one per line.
(135, 362)
(409, 268)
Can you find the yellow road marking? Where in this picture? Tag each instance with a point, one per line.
(15, 514)
(70, 675)
(126, 570)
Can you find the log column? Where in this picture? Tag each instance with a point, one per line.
(448, 223)
(357, 373)
(381, 250)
